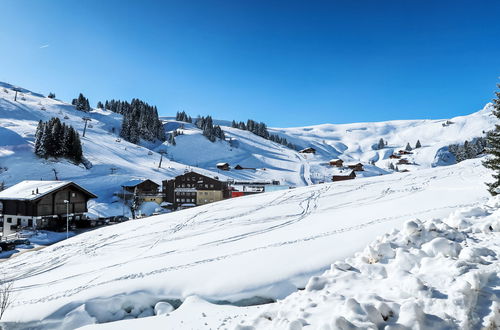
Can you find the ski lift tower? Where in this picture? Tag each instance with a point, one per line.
(86, 120)
(161, 152)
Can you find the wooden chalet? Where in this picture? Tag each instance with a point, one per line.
(309, 150)
(404, 161)
(343, 177)
(393, 156)
(336, 162)
(405, 152)
(192, 189)
(356, 167)
(42, 205)
(239, 167)
(223, 166)
(145, 190)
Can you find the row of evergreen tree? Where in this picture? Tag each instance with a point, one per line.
(140, 121)
(469, 149)
(260, 129)
(182, 116)
(382, 144)
(56, 139)
(210, 131)
(81, 103)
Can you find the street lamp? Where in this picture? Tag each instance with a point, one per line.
(67, 217)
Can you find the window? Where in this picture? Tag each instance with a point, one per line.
(9, 220)
(18, 221)
(206, 185)
(178, 200)
(211, 186)
(73, 194)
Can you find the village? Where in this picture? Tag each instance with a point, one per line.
(61, 206)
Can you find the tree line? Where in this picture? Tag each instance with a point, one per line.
(56, 139)
(260, 129)
(469, 149)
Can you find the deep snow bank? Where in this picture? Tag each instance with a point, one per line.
(440, 274)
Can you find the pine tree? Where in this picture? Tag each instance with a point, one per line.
(418, 145)
(38, 139)
(381, 144)
(391, 166)
(100, 105)
(408, 147)
(493, 149)
(51, 95)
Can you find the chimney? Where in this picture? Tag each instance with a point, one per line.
(37, 191)
(32, 192)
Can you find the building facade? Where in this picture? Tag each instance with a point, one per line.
(42, 205)
(192, 189)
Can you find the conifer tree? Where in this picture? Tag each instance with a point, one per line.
(381, 144)
(418, 145)
(408, 147)
(493, 149)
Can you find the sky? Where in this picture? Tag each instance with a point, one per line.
(286, 63)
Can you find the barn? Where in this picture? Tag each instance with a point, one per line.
(344, 176)
(223, 166)
(309, 150)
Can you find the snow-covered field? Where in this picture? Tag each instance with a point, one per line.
(242, 250)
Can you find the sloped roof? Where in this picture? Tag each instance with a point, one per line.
(135, 182)
(341, 171)
(26, 190)
(335, 160)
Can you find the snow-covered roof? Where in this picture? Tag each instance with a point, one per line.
(27, 190)
(135, 182)
(222, 164)
(341, 171)
(335, 160)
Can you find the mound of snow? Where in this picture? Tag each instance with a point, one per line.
(431, 274)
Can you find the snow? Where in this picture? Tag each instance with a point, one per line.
(263, 247)
(31, 189)
(258, 247)
(433, 274)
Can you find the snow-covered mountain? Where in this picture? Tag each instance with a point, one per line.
(242, 251)
(115, 161)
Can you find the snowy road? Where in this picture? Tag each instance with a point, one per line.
(256, 246)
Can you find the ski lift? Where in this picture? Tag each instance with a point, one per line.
(118, 140)
(43, 108)
(90, 126)
(150, 153)
(66, 117)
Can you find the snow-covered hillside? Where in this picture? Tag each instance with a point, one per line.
(243, 250)
(115, 161)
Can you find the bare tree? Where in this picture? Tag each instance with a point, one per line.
(6, 289)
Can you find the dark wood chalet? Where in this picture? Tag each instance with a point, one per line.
(394, 156)
(309, 150)
(356, 167)
(223, 166)
(42, 204)
(194, 189)
(336, 162)
(141, 186)
(349, 176)
(404, 161)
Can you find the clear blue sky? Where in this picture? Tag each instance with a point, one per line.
(287, 63)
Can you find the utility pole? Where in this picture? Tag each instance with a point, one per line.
(55, 174)
(67, 218)
(161, 152)
(86, 120)
(113, 170)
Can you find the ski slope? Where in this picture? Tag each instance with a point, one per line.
(244, 250)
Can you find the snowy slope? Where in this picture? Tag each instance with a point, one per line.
(254, 247)
(116, 161)
(101, 147)
(437, 274)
